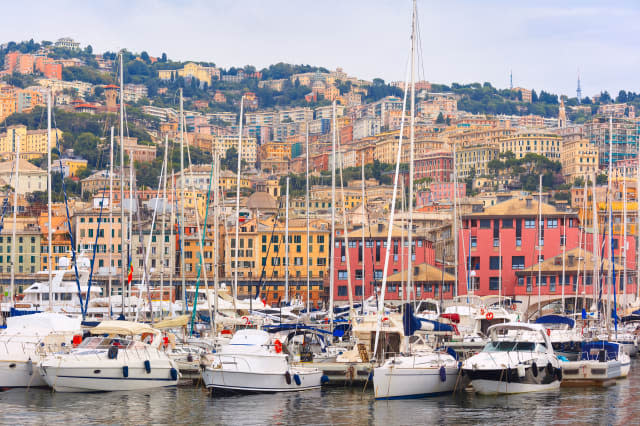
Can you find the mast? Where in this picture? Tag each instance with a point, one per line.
(15, 220)
(215, 241)
(172, 219)
(624, 232)
(183, 289)
(637, 222)
(564, 253)
(332, 250)
(129, 282)
(286, 246)
(123, 235)
(308, 224)
(49, 231)
(346, 237)
(235, 280)
(455, 224)
(610, 225)
(411, 159)
(596, 246)
(110, 261)
(165, 201)
(540, 226)
(363, 220)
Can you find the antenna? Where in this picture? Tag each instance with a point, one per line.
(511, 80)
(579, 90)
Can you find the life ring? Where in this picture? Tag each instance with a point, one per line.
(278, 346)
(481, 311)
(246, 319)
(385, 319)
(513, 306)
(489, 316)
(147, 335)
(165, 341)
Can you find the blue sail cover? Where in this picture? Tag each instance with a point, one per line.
(556, 319)
(438, 326)
(409, 322)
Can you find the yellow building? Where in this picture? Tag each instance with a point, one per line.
(533, 141)
(204, 74)
(70, 166)
(33, 143)
(478, 135)
(579, 158)
(475, 158)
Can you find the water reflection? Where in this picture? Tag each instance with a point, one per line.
(614, 405)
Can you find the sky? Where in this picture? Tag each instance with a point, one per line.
(543, 43)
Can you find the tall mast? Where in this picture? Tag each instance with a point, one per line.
(308, 224)
(172, 243)
(163, 244)
(332, 249)
(286, 246)
(216, 200)
(455, 224)
(610, 225)
(235, 280)
(540, 226)
(15, 220)
(110, 229)
(129, 282)
(183, 289)
(596, 246)
(49, 231)
(411, 158)
(123, 235)
(363, 206)
(346, 237)
(637, 222)
(624, 232)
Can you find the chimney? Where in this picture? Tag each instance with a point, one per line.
(380, 227)
(416, 270)
(571, 259)
(528, 200)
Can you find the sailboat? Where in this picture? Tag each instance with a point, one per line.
(421, 371)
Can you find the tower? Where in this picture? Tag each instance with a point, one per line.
(511, 80)
(562, 115)
(579, 90)
(111, 97)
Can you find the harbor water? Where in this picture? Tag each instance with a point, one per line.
(617, 404)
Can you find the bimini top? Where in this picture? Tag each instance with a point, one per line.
(45, 322)
(125, 328)
(180, 321)
(556, 319)
(250, 337)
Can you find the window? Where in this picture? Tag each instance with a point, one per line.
(529, 286)
(377, 274)
(494, 283)
(520, 281)
(358, 274)
(517, 262)
(494, 262)
(475, 263)
(496, 242)
(485, 223)
(474, 242)
(552, 223)
(342, 290)
(529, 223)
(563, 240)
(507, 223)
(342, 275)
(552, 283)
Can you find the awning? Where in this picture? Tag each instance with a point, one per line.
(126, 328)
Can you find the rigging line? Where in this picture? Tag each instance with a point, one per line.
(261, 286)
(66, 204)
(95, 246)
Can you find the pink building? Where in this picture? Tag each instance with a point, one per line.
(437, 165)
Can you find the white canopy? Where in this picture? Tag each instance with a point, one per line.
(126, 328)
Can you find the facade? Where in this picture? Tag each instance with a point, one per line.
(27, 256)
(67, 43)
(30, 177)
(374, 259)
(624, 140)
(33, 143)
(192, 70)
(438, 166)
(511, 229)
(579, 158)
(475, 158)
(69, 167)
(137, 152)
(535, 142)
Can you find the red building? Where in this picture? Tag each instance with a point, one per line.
(437, 165)
(511, 230)
(374, 258)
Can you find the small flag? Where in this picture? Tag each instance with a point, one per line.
(130, 276)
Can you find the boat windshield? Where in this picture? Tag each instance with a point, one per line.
(509, 346)
(104, 343)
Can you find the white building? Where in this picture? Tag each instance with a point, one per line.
(30, 177)
(67, 43)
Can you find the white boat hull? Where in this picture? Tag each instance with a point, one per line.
(493, 387)
(401, 383)
(99, 378)
(20, 374)
(243, 381)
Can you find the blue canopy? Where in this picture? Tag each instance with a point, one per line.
(556, 319)
(591, 350)
(438, 326)
(411, 323)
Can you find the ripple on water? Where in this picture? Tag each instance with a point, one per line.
(614, 405)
